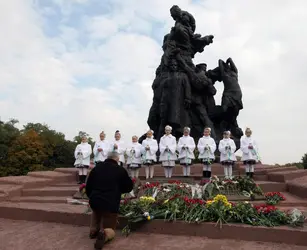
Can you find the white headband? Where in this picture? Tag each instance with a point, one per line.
(168, 128)
(187, 129)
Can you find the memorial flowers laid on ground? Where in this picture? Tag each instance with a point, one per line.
(273, 198)
(238, 186)
(193, 204)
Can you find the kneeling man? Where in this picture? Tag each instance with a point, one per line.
(105, 185)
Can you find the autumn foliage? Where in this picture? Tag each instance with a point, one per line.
(35, 147)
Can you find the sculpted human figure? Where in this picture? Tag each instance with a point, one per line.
(184, 93)
(200, 84)
(183, 33)
(232, 95)
(175, 101)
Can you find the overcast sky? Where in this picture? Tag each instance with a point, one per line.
(89, 64)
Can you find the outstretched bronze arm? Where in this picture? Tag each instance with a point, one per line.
(221, 67)
(232, 65)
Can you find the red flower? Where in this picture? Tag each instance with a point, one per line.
(151, 185)
(232, 203)
(133, 180)
(193, 201)
(174, 182)
(265, 209)
(203, 182)
(174, 197)
(82, 186)
(275, 194)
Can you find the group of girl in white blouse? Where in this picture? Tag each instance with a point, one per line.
(138, 155)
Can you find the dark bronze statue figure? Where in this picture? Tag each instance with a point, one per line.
(184, 92)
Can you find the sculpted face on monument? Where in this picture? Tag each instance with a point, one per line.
(193, 84)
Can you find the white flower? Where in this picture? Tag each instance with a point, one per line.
(187, 186)
(166, 190)
(146, 214)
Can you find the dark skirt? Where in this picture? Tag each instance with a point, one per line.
(208, 162)
(82, 166)
(225, 163)
(249, 162)
(131, 168)
(148, 163)
(184, 165)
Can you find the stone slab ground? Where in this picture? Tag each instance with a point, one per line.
(41, 197)
(25, 235)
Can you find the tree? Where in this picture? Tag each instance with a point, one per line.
(304, 161)
(8, 133)
(57, 149)
(26, 151)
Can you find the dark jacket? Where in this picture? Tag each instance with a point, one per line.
(105, 185)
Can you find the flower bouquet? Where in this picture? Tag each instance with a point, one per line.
(273, 198)
(82, 190)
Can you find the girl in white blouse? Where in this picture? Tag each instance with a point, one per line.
(149, 151)
(250, 152)
(206, 147)
(83, 153)
(186, 147)
(134, 157)
(227, 147)
(167, 148)
(119, 146)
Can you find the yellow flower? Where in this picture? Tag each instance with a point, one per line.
(221, 198)
(166, 201)
(148, 199)
(148, 217)
(209, 202)
(227, 204)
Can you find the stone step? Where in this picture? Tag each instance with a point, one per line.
(40, 199)
(181, 177)
(269, 186)
(287, 175)
(274, 169)
(73, 214)
(51, 191)
(9, 190)
(68, 184)
(291, 201)
(260, 177)
(298, 187)
(3, 197)
(58, 176)
(66, 170)
(26, 181)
